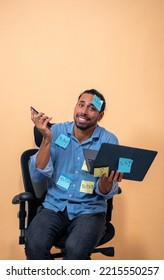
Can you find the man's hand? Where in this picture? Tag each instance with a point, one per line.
(105, 183)
(41, 120)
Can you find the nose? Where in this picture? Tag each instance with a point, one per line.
(84, 110)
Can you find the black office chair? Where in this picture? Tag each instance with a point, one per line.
(32, 198)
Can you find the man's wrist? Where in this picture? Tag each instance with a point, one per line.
(47, 141)
(105, 190)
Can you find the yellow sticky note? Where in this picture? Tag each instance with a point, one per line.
(99, 171)
(84, 167)
(87, 186)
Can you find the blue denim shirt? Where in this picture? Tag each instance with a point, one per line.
(66, 165)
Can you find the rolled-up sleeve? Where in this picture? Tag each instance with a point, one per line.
(113, 191)
(37, 174)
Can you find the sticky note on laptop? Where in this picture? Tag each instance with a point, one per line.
(125, 165)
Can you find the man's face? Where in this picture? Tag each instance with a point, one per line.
(85, 113)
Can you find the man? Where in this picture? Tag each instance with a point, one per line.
(75, 200)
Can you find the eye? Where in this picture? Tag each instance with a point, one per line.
(92, 108)
(80, 105)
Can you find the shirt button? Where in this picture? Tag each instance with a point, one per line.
(70, 195)
(78, 158)
(76, 172)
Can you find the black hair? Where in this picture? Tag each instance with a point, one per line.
(99, 95)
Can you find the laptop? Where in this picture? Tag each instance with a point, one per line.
(133, 162)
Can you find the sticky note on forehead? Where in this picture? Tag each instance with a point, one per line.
(97, 102)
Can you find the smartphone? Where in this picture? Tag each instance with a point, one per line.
(36, 112)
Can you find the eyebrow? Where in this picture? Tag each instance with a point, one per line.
(89, 104)
(81, 101)
(84, 102)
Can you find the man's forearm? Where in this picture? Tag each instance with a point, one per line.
(43, 155)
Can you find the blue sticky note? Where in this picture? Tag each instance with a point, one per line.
(64, 182)
(97, 102)
(62, 141)
(125, 165)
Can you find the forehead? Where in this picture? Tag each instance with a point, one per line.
(86, 97)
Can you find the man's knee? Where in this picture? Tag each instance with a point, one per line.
(75, 252)
(36, 249)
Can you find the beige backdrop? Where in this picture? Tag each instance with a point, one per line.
(50, 51)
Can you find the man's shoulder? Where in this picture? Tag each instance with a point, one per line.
(107, 136)
(63, 127)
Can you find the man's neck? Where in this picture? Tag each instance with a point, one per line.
(83, 135)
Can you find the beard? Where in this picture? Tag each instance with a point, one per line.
(82, 127)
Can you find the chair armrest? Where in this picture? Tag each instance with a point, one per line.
(119, 190)
(24, 196)
(21, 199)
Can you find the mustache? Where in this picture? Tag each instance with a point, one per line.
(82, 115)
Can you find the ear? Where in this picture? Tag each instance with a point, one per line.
(100, 116)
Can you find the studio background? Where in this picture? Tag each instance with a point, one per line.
(50, 51)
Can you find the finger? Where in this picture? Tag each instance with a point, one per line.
(103, 177)
(118, 176)
(40, 118)
(47, 122)
(34, 115)
(111, 176)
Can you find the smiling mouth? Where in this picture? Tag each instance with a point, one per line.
(82, 119)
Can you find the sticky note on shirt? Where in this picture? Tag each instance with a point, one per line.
(87, 187)
(97, 102)
(99, 171)
(64, 182)
(84, 166)
(62, 141)
(125, 165)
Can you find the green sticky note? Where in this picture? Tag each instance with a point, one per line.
(125, 165)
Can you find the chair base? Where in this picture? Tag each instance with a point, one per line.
(108, 251)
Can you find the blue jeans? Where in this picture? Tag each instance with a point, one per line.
(84, 233)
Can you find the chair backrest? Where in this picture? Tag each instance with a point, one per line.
(38, 136)
(25, 170)
(37, 191)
